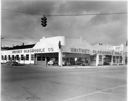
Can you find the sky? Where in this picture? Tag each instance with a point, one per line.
(21, 21)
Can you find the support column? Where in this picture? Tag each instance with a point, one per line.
(19, 58)
(102, 59)
(116, 60)
(123, 59)
(60, 58)
(112, 60)
(97, 59)
(7, 58)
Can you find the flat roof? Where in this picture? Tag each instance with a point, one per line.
(18, 47)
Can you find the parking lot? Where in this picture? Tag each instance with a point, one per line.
(35, 83)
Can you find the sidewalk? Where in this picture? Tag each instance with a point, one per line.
(73, 67)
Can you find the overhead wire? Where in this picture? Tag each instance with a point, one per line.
(79, 14)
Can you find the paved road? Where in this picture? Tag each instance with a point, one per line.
(32, 83)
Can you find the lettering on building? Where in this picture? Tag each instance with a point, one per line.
(17, 51)
(80, 50)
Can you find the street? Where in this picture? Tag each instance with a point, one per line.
(33, 83)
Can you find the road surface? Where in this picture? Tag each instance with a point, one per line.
(33, 83)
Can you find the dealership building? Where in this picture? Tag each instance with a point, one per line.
(60, 50)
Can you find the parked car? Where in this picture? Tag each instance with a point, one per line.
(82, 63)
(106, 63)
(52, 62)
(12, 63)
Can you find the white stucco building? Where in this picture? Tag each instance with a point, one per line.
(65, 51)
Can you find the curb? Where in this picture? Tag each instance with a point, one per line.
(82, 67)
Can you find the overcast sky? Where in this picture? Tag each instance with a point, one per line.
(21, 21)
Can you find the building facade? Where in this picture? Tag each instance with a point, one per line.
(62, 51)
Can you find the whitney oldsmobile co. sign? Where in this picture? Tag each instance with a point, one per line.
(42, 50)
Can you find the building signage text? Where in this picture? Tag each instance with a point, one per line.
(42, 50)
(79, 50)
(106, 52)
(17, 51)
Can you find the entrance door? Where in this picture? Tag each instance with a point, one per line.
(44, 58)
(107, 60)
(41, 60)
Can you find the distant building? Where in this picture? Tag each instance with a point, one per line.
(60, 51)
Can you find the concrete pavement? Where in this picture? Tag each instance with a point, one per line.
(31, 83)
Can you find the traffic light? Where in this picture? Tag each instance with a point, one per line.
(44, 21)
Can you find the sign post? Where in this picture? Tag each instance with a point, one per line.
(60, 54)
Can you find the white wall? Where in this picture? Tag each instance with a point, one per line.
(15, 52)
(76, 43)
(50, 42)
